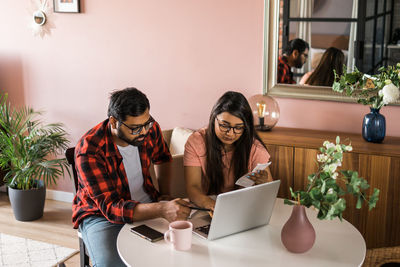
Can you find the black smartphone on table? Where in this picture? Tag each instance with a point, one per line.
(147, 233)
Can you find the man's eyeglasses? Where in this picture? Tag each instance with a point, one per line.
(138, 128)
(226, 128)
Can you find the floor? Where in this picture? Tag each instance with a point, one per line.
(54, 227)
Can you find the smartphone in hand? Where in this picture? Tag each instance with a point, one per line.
(147, 233)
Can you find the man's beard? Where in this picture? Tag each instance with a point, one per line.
(134, 141)
(297, 62)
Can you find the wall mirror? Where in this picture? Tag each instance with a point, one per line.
(362, 29)
(39, 17)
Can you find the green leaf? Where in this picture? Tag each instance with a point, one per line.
(288, 202)
(323, 187)
(359, 202)
(331, 198)
(330, 150)
(292, 193)
(336, 87)
(336, 209)
(373, 199)
(352, 77)
(337, 140)
(338, 155)
(316, 194)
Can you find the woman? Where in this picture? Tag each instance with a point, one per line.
(332, 59)
(215, 157)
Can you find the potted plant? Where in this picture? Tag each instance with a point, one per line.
(27, 155)
(324, 192)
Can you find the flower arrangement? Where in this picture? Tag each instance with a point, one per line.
(323, 191)
(373, 90)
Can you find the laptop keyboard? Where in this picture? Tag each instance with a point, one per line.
(204, 229)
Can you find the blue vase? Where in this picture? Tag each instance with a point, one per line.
(374, 126)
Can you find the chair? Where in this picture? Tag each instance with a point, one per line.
(385, 257)
(84, 256)
(177, 187)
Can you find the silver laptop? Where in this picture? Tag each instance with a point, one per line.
(238, 210)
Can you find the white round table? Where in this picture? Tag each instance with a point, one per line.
(337, 244)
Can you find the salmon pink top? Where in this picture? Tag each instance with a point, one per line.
(195, 155)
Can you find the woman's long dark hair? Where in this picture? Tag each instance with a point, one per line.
(332, 59)
(236, 104)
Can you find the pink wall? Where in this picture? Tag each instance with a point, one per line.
(182, 53)
(327, 115)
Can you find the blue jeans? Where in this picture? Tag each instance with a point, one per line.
(100, 237)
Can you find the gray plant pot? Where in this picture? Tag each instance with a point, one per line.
(28, 205)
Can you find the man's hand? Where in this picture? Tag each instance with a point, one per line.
(164, 198)
(175, 210)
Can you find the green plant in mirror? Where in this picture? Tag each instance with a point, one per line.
(324, 189)
(373, 90)
(28, 147)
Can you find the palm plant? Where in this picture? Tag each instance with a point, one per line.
(28, 147)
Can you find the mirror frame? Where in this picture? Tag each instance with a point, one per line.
(43, 16)
(270, 62)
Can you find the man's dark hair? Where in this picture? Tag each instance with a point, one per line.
(296, 44)
(127, 102)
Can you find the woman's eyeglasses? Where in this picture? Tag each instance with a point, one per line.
(226, 128)
(138, 128)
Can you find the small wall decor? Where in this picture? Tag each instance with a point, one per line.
(66, 6)
(40, 21)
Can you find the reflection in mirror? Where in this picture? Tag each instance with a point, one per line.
(39, 17)
(361, 29)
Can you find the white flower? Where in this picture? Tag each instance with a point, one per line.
(330, 168)
(322, 158)
(390, 93)
(366, 76)
(335, 175)
(328, 144)
(330, 191)
(349, 148)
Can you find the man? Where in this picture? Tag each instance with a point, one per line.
(294, 55)
(112, 162)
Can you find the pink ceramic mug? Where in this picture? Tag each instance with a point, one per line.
(180, 235)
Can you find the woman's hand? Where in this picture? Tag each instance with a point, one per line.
(193, 178)
(209, 203)
(260, 177)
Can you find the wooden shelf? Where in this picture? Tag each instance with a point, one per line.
(306, 138)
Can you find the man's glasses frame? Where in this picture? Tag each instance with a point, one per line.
(138, 128)
(227, 128)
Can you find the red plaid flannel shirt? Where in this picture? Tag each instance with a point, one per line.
(285, 75)
(103, 188)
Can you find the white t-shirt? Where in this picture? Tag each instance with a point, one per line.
(133, 169)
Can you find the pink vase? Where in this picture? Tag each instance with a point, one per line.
(298, 234)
